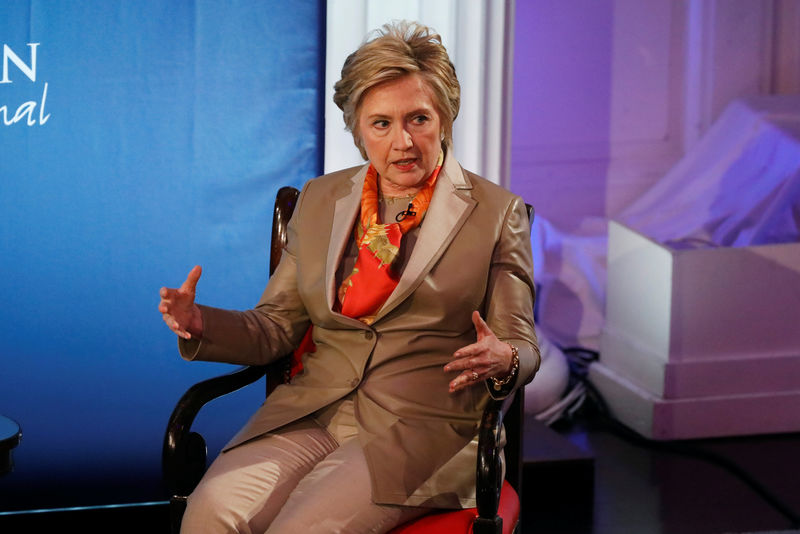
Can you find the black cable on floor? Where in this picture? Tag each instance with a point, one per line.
(683, 449)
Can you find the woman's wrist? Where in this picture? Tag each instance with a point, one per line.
(195, 327)
(499, 383)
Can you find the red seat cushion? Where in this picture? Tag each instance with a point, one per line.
(461, 520)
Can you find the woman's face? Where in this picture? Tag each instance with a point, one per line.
(401, 133)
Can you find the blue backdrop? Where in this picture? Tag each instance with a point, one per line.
(138, 138)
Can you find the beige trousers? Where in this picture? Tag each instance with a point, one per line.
(307, 477)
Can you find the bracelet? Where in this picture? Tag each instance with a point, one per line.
(498, 384)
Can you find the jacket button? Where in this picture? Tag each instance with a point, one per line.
(368, 334)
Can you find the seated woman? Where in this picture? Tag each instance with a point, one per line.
(415, 277)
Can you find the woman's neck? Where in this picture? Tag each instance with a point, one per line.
(388, 189)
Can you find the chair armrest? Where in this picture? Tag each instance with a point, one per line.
(183, 456)
(489, 468)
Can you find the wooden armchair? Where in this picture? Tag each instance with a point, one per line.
(498, 510)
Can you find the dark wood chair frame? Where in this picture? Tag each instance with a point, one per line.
(184, 451)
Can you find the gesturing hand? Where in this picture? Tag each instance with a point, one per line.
(178, 309)
(487, 357)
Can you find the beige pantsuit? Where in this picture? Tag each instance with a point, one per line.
(472, 253)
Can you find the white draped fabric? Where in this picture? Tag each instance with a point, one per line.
(739, 186)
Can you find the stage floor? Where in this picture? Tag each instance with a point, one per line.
(731, 485)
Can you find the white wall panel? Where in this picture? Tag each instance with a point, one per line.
(608, 94)
(786, 53)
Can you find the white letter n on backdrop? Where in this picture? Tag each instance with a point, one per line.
(29, 71)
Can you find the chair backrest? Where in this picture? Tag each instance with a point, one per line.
(285, 202)
(513, 423)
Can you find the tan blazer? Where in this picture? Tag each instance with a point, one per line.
(472, 253)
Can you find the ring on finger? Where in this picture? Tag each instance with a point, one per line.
(474, 376)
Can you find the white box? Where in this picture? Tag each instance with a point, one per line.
(706, 303)
(692, 334)
(711, 377)
(690, 418)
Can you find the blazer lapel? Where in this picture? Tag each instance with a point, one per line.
(448, 210)
(345, 212)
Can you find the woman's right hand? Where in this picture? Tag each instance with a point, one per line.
(178, 309)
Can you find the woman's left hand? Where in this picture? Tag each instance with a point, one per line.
(487, 357)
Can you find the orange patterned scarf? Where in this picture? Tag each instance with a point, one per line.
(372, 281)
(374, 278)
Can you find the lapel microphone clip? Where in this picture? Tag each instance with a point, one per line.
(409, 211)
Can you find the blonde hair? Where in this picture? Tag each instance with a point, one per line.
(399, 49)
